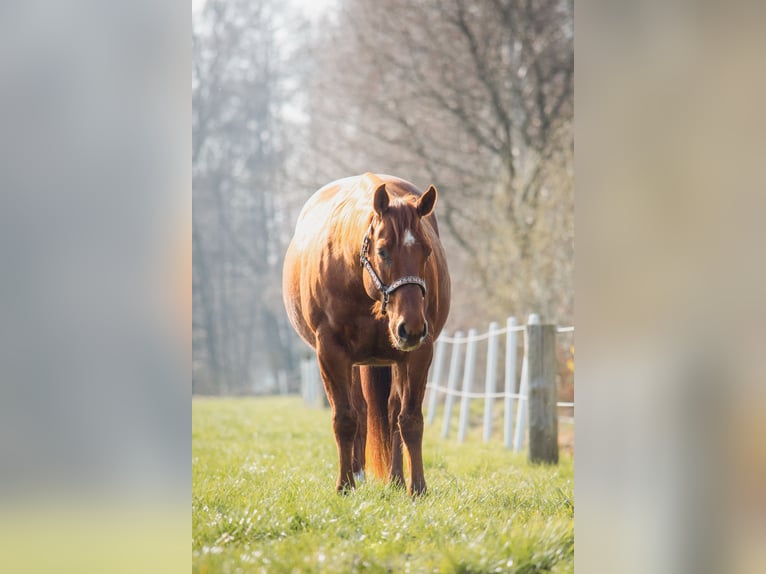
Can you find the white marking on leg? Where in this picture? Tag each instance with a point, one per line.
(409, 238)
(359, 477)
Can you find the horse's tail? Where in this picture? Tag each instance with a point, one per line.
(376, 385)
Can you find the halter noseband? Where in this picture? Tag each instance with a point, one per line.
(386, 290)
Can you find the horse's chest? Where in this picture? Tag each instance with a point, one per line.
(366, 340)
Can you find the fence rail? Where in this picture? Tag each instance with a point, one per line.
(529, 394)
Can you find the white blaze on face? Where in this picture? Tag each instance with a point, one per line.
(409, 238)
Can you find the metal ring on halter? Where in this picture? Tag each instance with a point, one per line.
(386, 296)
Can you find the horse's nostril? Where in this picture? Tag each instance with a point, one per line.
(402, 331)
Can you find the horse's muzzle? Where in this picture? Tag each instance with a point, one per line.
(408, 341)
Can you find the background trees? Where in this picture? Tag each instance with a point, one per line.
(241, 84)
(475, 97)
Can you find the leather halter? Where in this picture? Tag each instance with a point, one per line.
(386, 290)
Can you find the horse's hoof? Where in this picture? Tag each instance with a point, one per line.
(344, 489)
(396, 482)
(417, 490)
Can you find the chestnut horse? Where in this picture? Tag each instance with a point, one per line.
(365, 283)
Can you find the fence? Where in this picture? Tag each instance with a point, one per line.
(529, 396)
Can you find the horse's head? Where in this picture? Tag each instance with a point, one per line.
(398, 250)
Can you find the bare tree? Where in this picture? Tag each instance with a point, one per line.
(476, 97)
(240, 87)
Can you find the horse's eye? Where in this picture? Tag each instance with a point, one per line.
(382, 253)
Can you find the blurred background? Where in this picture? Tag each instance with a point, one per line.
(96, 233)
(473, 97)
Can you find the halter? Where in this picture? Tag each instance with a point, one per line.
(386, 290)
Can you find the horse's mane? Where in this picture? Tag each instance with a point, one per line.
(348, 220)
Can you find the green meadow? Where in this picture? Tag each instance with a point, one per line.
(263, 500)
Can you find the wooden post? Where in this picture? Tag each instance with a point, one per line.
(489, 380)
(521, 411)
(470, 362)
(510, 378)
(540, 351)
(452, 382)
(436, 379)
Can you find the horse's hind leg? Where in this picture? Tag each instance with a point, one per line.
(360, 406)
(335, 368)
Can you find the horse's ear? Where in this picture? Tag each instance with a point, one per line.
(427, 202)
(381, 200)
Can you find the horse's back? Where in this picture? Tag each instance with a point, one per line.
(335, 215)
(313, 232)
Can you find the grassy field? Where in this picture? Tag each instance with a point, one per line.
(263, 500)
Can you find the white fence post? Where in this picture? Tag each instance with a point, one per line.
(521, 414)
(510, 378)
(312, 383)
(470, 362)
(436, 380)
(309, 380)
(282, 380)
(452, 382)
(489, 381)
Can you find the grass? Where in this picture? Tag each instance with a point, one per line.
(263, 500)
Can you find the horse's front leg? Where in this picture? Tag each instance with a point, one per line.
(398, 379)
(335, 368)
(396, 476)
(411, 417)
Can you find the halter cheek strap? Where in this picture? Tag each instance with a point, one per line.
(386, 290)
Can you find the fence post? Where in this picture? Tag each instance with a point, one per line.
(470, 362)
(308, 369)
(540, 351)
(313, 383)
(438, 364)
(452, 382)
(510, 378)
(521, 411)
(489, 381)
(307, 381)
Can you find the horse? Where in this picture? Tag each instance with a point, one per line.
(365, 283)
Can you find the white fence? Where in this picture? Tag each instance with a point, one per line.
(311, 381)
(537, 381)
(515, 387)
